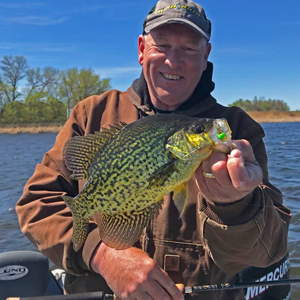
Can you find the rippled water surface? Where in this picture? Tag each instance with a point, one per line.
(20, 153)
(283, 149)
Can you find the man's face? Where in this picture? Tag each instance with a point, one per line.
(173, 57)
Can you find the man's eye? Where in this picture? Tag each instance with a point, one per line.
(190, 49)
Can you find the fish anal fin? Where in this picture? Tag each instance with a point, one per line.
(164, 172)
(180, 197)
(121, 231)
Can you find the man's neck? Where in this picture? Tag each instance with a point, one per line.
(163, 106)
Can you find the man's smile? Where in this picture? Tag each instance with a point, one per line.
(171, 77)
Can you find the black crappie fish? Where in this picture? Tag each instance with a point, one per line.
(130, 168)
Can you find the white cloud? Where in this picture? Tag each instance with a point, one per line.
(56, 49)
(20, 5)
(6, 47)
(115, 72)
(31, 47)
(34, 20)
(87, 9)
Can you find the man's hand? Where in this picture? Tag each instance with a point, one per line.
(235, 175)
(132, 274)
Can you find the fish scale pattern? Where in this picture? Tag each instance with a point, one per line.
(129, 169)
(122, 182)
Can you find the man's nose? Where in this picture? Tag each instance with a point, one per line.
(174, 58)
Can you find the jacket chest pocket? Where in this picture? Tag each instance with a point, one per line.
(184, 262)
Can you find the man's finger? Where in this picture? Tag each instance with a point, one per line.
(167, 283)
(218, 163)
(180, 287)
(244, 171)
(237, 171)
(245, 147)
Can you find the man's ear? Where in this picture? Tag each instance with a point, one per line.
(141, 48)
(206, 55)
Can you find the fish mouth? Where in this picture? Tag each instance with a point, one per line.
(221, 136)
(223, 147)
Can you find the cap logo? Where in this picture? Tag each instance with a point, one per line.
(177, 6)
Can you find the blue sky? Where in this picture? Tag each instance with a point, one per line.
(255, 43)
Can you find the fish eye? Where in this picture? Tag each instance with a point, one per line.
(198, 128)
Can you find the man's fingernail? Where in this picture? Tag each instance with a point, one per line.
(235, 153)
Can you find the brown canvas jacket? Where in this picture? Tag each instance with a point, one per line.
(208, 245)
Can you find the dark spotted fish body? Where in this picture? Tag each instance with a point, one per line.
(130, 168)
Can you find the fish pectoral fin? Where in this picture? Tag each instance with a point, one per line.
(80, 224)
(121, 231)
(180, 197)
(164, 172)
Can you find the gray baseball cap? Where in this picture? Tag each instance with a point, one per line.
(178, 11)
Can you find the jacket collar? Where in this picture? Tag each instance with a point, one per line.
(199, 102)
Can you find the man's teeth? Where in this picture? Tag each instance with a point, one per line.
(173, 77)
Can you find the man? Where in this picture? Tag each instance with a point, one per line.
(234, 218)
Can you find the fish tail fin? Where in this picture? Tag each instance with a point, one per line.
(70, 202)
(80, 223)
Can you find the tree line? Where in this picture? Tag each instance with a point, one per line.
(37, 95)
(261, 104)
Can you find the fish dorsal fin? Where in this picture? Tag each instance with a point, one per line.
(121, 231)
(117, 127)
(159, 176)
(79, 151)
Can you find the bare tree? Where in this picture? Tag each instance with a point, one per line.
(41, 80)
(13, 70)
(2, 102)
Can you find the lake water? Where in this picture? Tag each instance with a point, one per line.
(20, 153)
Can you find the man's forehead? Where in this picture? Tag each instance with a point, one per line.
(180, 30)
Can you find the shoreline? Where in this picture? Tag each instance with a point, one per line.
(275, 116)
(30, 128)
(258, 116)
